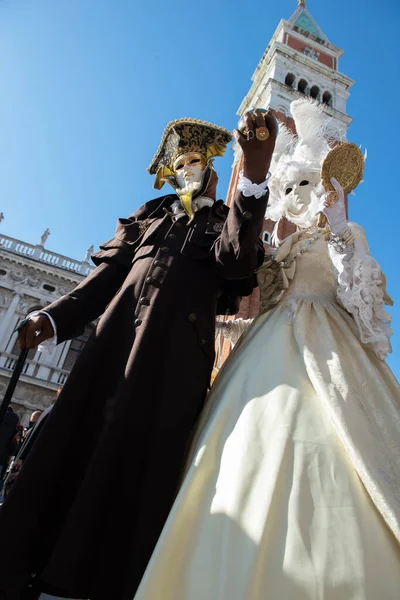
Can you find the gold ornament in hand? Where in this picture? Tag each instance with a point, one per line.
(260, 124)
(262, 133)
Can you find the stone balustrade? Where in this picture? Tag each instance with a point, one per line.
(42, 255)
(35, 370)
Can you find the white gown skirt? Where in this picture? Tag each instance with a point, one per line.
(272, 507)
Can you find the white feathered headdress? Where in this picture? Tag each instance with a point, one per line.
(301, 154)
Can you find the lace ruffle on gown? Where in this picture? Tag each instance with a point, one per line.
(360, 286)
(293, 487)
(235, 328)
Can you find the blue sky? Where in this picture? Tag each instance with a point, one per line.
(87, 87)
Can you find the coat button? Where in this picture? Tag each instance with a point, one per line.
(138, 322)
(203, 342)
(144, 301)
(160, 263)
(247, 215)
(192, 317)
(178, 225)
(164, 248)
(149, 280)
(172, 236)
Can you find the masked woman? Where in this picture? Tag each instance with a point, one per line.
(293, 487)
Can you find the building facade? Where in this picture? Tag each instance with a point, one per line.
(32, 277)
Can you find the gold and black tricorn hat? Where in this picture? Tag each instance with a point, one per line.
(187, 135)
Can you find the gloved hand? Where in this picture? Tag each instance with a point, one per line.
(335, 209)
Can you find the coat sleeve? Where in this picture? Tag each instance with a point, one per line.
(239, 250)
(89, 300)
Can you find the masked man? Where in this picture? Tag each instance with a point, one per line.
(86, 511)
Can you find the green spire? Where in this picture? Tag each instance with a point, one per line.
(303, 20)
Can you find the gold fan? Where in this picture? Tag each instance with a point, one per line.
(345, 162)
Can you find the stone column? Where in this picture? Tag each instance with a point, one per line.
(56, 356)
(8, 323)
(48, 363)
(64, 353)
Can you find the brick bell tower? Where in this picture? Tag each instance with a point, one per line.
(299, 61)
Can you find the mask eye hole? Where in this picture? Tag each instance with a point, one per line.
(288, 190)
(304, 182)
(179, 167)
(195, 161)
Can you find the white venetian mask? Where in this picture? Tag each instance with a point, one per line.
(297, 193)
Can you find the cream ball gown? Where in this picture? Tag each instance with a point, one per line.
(292, 491)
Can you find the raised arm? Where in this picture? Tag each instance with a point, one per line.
(361, 285)
(233, 329)
(239, 250)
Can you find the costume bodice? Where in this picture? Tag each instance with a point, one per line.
(319, 273)
(313, 276)
(301, 268)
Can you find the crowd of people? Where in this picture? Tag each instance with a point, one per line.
(16, 442)
(12, 438)
(11, 434)
(282, 481)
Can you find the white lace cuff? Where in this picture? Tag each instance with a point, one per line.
(252, 189)
(361, 288)
(234, 329)
(51, 343)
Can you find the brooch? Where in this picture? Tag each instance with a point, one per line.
(218, 227)
(143, 225)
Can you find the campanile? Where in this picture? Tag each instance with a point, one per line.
(298, 61)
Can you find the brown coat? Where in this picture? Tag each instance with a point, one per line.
(92, 498)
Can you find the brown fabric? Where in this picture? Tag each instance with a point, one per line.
(94, 492)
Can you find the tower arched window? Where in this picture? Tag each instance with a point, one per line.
(327, 98)
(314, 92)
(302, 86)
(266, 237)
(289, 80)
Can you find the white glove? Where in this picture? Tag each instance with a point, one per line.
(335, 211)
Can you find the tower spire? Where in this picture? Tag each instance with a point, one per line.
(301, 3)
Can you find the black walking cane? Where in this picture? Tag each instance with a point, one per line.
(19, 365)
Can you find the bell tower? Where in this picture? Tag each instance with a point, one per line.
(299, 61)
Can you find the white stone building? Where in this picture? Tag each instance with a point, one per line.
(30, 278)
